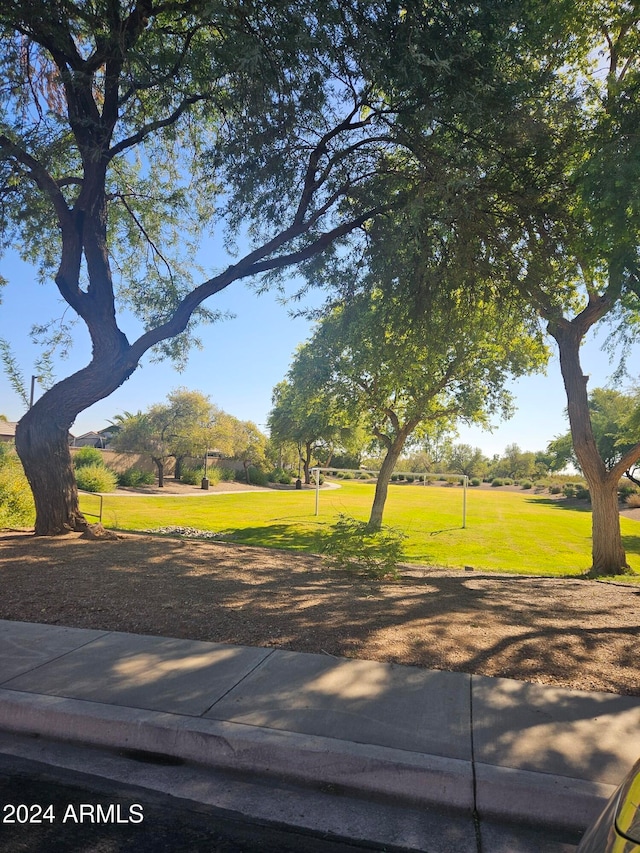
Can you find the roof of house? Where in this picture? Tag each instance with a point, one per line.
(8, 429)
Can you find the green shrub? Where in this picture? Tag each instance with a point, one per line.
(352, 546)
(193, 476)
(633, 501)
(227, 475)
(394, 478)
(508, 482)
(527, 485)
(625, 490)
(583, 494)
(555, 490)
(96, 478)
(255, 476)
(279, 475)
(475, 481)
(569, 490)
(135, 477)
(213, 475)
(87, 456)
(497, 482)
(410, 478)
(16, 500)
(347, 475)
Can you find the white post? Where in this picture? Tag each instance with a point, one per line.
(316, 474)
(465, 480)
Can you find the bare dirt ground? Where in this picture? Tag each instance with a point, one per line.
(576, 633)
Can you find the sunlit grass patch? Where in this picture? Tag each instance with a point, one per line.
(505, 531)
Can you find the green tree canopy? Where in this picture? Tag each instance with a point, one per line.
(128, 129)
(402, 373)
(615, 420)
(186, 425)
(538, 199)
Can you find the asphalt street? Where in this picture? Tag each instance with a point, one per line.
(52, 809)
(57, 811)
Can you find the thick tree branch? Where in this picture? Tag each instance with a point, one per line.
(627, 461)
(252, 264)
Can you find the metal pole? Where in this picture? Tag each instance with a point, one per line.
(465, 480)
(33, 385)
(316, 474)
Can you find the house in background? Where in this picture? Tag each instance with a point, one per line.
(8, 431)
(99, 439)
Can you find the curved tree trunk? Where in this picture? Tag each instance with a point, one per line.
(608, 553)
(160, 468)
(42, 439)
(394, 449)
(43, 447)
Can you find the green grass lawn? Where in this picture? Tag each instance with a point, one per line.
(506, 531)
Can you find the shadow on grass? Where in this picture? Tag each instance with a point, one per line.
(631, 544)
(581, 506)
(283, 536)
(446, 530)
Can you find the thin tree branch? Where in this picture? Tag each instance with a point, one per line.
(145, 131)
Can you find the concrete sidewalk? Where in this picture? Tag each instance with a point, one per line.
(498, 747)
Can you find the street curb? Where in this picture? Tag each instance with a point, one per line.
(414, 778)
(364, 769)
(513, 795)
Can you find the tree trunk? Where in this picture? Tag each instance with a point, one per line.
(394, 450)
(609, 557)
(160, 466)
(43, 448)
(42, 439)
(306, 464)
(608, 553)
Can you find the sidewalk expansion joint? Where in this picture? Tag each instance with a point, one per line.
(238, 683)
(476, 814)
(61, 656)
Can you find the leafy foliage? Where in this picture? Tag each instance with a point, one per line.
(135, 477)
(193, 476)
(87, 456)
(354, 546)
(96, 478)
(16, 503)
(402, 372)
(615, 418)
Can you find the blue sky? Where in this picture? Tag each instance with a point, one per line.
(243, 358)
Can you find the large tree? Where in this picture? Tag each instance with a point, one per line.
(400, 372)
(303, 414)
(121, 123)
(600, 276)
(186, 425)
(547, 180)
